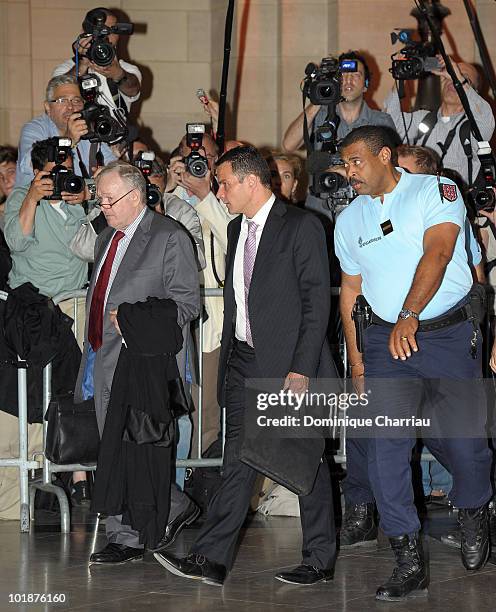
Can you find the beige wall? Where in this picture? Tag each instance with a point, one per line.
(183, 48)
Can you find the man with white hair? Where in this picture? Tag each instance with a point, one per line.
(139, 255)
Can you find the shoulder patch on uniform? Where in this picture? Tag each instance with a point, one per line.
(449, 192)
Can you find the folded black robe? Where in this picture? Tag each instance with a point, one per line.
(134, 463)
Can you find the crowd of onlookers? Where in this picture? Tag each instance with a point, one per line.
(47, 240)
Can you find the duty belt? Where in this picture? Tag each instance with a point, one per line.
(464, 313)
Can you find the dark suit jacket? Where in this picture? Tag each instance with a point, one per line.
(289, 298)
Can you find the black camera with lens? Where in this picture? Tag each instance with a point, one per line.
(100, 51)
(324, 183)
(102, 126)
(63, 178)
(144, 161)
(196, 163)
(322, 84)
(418, 58)
(482, 191)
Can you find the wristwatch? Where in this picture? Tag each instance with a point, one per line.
(405, 314)
(91, 188)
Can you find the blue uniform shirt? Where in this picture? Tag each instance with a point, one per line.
(388, 263)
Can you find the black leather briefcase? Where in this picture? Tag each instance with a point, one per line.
(72, 435)
(291, 462)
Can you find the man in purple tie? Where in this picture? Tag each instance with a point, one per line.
(276, 309)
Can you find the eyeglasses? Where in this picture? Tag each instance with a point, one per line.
(66, 101)
(109, 203)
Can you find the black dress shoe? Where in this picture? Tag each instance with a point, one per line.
(194, 566)
(80, 493)
(453, 539)
(475, 545)
(116, 553)
(305, 575)
(173, 529)
(358, 528)
(410, 577)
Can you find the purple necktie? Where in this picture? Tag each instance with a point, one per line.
(250, 252)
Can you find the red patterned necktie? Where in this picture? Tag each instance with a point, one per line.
(95, 325)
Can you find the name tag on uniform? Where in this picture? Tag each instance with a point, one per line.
(387, 227)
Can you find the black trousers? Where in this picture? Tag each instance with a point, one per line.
(228, 508)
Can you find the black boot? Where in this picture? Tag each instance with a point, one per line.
(410, 577)
(492, 530)
(474, 525)
(359, 528)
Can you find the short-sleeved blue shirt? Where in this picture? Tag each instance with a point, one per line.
(387, 263)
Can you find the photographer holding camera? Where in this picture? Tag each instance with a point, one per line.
(352, 111)
(96, 52)
(40, 221)
(191, 179)
(446, 130)
(62, 118)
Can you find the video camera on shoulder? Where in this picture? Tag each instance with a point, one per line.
(63, 178)
(196, 163)
(101, 52)
(419, 58)
(328, 184)
(102, 127)
(144, 162)
(482, 191)
(322, 84)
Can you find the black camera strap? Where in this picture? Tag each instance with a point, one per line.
(444, 146)
(306, 135)
(465, 139)
(220, 283)
(117, 96)
(82, 165)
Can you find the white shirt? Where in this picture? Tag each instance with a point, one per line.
(56, 206)
(121, 251)
(105, 96)
(238, 278)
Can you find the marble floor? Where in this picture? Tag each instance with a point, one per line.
(45, 561)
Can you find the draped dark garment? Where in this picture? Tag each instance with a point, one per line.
(134, 463)
(36, 330)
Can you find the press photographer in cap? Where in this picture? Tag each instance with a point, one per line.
(95, 51)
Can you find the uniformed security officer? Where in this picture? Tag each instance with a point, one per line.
(399, 244)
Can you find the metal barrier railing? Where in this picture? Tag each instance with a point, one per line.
(49, 468)
(21, 462)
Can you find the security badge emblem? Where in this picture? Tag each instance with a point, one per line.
(449, 192)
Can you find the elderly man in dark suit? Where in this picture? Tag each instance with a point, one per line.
(276, 309)
(141, 254)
